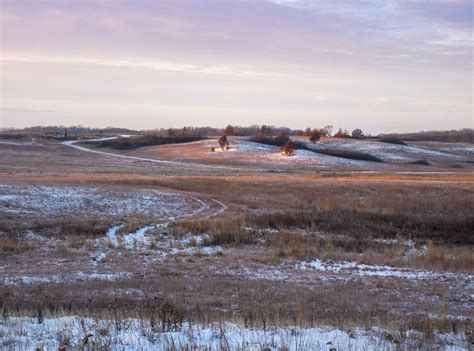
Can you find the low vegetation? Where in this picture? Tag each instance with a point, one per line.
(461, 136)
(250, 264)
(455, 230)
(136, 142)
(347, 154)
(391, 140)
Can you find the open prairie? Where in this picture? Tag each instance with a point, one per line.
(236, 175)
(181, 247)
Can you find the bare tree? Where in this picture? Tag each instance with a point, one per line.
(170, 133)
(307, 132)
(184, 131)
(266, 130)
(229, 130)
(342, 133)
(328, 130)
(357, 133)
(315, 135)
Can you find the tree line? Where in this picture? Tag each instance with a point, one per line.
(269, 135)
(465, 135)
(462, 135)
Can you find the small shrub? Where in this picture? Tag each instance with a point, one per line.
(392, 140)
(434, 253)
(291, 244)
(349, 154)
(420, 162)
(146, 140)
(12, 243)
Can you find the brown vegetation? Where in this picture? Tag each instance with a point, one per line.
(273, 220)
(463, 135)
(136, 142)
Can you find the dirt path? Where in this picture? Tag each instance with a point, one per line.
(138, 236)
(135, 239)
(73, 144)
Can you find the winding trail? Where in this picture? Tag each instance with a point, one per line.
(218, 212)
(194, 165)
(131, 239)
(204, 205)
(139, 235)
(73, 144)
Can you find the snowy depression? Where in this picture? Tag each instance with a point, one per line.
(53, 201)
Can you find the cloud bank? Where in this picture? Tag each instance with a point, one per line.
(380, 65)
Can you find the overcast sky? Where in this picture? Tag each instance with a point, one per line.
(381, 65)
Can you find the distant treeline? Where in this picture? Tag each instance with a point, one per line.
(138, 141)
(72, 130)
(187, 131)
(213, 131)
(463, 136)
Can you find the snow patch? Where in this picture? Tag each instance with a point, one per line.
(112, 234)
(138, 237)
(135, 334)
(63, 278)
(49, 201)
(354, 268)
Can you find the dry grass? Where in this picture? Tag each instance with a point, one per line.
(170, 300)
(294, 245)
(459, 257)
(454, 228)
(220, 231)
(315, 242)
(64, 227)
(315, 215)
(289, 244)
(14, 244)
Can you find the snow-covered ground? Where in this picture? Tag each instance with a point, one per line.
(386, 151)
(247, 155)
(317, 271)
(154, 238)
(63, 278)
(243, 150)
(133, 334)
(160, 242)
(236, 145)
(141, 238)
(463, 149)
(255, 152)
(358, 269)
(50, 201)
(8, 143)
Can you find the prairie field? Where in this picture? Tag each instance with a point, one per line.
(182, 247)
(236, 175)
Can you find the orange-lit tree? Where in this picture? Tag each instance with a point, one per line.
(288, 149)
(224, 143)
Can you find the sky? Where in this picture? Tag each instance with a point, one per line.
(379, 65)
